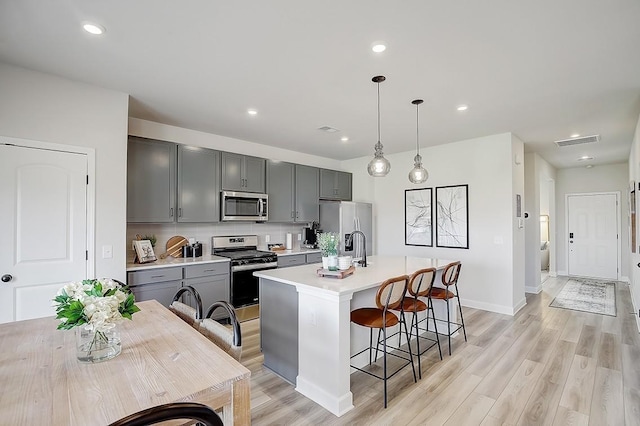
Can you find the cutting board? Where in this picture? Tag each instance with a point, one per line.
(174, 246)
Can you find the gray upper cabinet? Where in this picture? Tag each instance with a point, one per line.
(335, 185)
(198, 184)
(293, 192)
(151, 181)
(280, 188)
(306, 190)
(243, 173)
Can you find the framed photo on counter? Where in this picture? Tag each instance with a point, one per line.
(144, 251)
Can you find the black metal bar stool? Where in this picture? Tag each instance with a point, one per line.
(450, 278)
(420, 285)
(189, 314)
(389, 296)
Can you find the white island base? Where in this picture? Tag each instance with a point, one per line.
(309, 316)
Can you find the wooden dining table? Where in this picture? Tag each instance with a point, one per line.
(163, 360)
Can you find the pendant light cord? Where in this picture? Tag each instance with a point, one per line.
(378, 111)
(417, 130)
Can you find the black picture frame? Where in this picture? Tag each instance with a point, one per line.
(418, 217)
(452, 216)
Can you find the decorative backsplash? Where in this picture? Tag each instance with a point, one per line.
(203, 232)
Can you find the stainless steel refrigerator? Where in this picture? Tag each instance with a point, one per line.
(344, 217)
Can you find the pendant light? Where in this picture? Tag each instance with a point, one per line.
(379, 166)
(418, 174)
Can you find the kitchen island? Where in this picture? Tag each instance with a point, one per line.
(306, 331)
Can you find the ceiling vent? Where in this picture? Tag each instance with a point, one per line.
(578, 141)
(328, 129)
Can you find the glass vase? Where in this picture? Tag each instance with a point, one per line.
(333, 260)
(97, 346)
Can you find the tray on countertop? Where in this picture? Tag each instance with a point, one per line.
(336, 274)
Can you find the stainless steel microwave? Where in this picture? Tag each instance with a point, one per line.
(247, 206)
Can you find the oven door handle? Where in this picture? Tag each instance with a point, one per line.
(254, 267)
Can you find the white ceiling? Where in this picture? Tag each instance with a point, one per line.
(541, 69)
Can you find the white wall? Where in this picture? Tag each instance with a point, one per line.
(607, 178)
(492, 277)
(47, 108)
(517, 224)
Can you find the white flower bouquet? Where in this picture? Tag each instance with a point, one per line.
(96, 304)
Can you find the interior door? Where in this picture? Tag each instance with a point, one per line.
(593, 235)
(44, 228)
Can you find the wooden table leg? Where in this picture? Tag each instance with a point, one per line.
(241, 402)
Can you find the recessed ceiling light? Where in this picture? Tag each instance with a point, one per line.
(94, 29)
(252, 112)
(462, 107)
(378, 47)
(585, 157)
(588, 166)
(575, 135)
(344, 139)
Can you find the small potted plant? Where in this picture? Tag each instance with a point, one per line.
(328, 244)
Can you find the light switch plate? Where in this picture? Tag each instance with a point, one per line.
(107, 252)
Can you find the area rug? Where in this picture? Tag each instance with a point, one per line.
(579, 294)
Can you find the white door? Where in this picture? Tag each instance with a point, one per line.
(43, 229)
(593, 235)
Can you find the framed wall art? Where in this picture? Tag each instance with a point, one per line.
(452, 216)
(418, 217)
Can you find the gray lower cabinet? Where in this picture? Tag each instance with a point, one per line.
(198, 184)
(293, 192)
(279, 328)
(243, 173)
(335, 185)
(291, 260)
(160, 284)
(151, 181)
(314, 257)
(211, 280)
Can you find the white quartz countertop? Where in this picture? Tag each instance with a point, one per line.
(379, 269)
(169, 261)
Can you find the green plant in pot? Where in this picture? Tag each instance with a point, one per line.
(328, 244)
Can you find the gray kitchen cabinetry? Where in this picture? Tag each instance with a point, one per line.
(160, 284)
(198, 184)
(291, 260)
(293, 192)
(151, 181)
(314, 257)
(335, 185)
(243, 173)
(212, 282)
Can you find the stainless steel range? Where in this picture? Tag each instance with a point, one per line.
(245, 260)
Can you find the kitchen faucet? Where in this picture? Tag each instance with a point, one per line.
(349, 242)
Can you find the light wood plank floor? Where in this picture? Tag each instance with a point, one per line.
(543, 366)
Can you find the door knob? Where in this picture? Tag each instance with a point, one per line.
(638, 265)
(6, 278)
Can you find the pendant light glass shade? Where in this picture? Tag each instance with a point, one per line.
(379, 166)
(418, 174)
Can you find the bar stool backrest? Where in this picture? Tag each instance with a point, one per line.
(391, 292)
(189, 314)
(451, 273)
(421, 281)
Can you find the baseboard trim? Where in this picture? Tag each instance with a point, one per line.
(624, 280)
(533, 290)
(499, 309)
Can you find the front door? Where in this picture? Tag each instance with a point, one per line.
(43, 230)
(593, 235)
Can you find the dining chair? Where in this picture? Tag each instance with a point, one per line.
(172, 411)
(227, 338)
(389, 297)
(450, 276)
(189, 314)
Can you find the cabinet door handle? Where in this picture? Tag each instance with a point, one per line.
(171, 212)
(157, 276)
(180, 212)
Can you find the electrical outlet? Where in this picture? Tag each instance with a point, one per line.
(267, 238)
(299, 237)
(312, 318)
